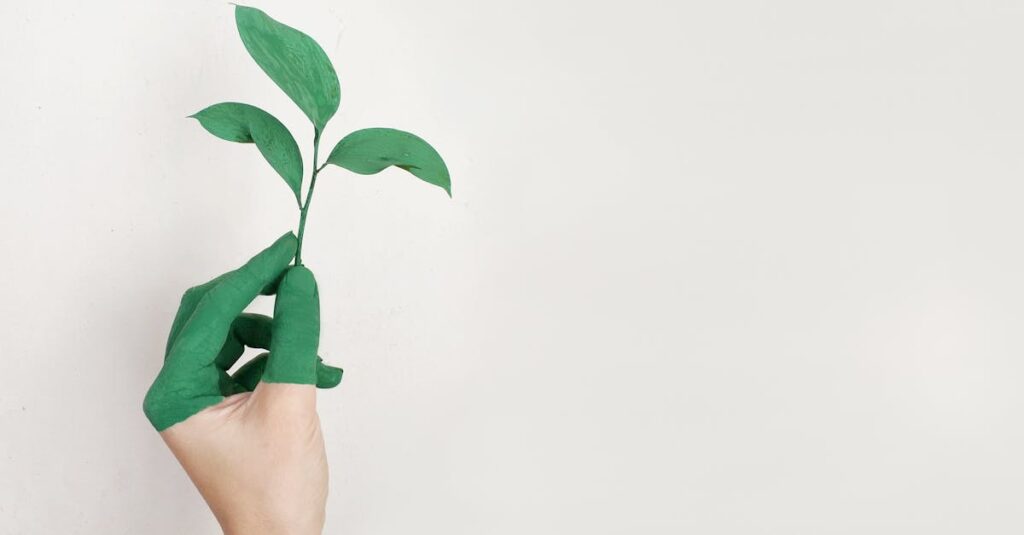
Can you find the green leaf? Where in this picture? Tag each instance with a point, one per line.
(243, 123)
(293, 61)
(372, 150)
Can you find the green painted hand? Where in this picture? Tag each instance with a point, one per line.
(210, 332)
(221, 425)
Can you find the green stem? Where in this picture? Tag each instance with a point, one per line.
(309, 196)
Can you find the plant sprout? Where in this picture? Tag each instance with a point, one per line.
(297, 64)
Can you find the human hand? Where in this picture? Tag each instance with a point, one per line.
(251, 441)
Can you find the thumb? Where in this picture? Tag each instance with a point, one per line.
(296, 330)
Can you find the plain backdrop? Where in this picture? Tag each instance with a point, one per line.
(710, 267)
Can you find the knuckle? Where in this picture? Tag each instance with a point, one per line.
(190, 294)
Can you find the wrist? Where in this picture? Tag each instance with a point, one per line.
(263, 520)
(270, 526)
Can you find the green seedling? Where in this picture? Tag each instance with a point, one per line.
(297, 64)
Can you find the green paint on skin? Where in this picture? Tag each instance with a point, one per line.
(296, 331)
(256, 331)
(250, 374)
(210, 331)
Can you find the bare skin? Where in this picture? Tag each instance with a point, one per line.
(250, 441)
(258, 460)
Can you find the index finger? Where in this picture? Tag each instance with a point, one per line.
(204, 332)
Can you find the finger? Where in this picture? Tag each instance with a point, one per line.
(327, 376)
(192, 297)
(189, 381)
(252, 330)
(271, 288)
(250, 374)
(203, 334)
(188, 304)
(296, 330)
(256, 330)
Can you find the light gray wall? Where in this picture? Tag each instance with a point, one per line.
(711, 267)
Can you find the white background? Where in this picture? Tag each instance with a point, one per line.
(710, 267)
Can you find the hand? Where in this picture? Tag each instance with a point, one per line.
(251, 441)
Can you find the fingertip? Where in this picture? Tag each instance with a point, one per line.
(328, 376)
(298, 280)
(289, 237)
(272, 261)
(286, 245)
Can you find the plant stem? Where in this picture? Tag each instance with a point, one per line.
(309, 196)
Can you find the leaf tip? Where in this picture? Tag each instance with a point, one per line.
(241, 8)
